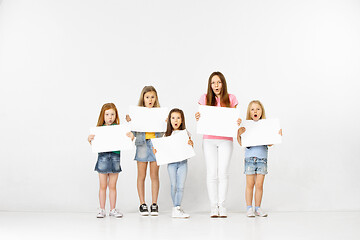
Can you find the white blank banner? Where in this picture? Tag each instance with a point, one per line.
(174, 148)
(261, 132)
(218, 121)
(111, 138)
(145, 119)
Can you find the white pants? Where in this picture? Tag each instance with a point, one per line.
(217, 156)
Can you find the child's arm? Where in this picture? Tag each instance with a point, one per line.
(240, 131)
(154, 150)
(90, 138)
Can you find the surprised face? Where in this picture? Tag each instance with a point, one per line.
(216, 85)
(175, 120)
(255, 111)
(149, 99)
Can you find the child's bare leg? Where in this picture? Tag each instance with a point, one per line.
(250, 182)
(259, 182)
(154, 175)
(113, 177)
(103, 178)
(141, 166)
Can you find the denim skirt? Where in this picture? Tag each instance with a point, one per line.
(108, 162)
(144, 152)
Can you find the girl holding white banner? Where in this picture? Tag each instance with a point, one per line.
(177, 170)
(144, 155)
(217, 149)
(108, 163)
(255, 163)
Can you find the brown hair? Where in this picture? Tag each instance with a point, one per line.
(147, 89)
(224, 96)
(248, 117)
(169, 128)
(105, 107)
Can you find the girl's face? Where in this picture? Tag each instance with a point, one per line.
(175, 120)
(109, 116)
(149, 99)
(216, 85)
(255, 111)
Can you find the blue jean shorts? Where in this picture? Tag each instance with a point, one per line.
(108, 162)
(254, 165)
(144, 152)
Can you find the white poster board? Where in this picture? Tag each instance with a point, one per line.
(145, 119)
(111, 138)
(174, 148)
(218, 121)
(261, 132)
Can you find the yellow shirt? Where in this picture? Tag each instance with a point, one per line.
(149, 135)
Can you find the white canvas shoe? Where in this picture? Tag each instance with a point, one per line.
(222, 212)
(214, 213)
(115, 213)
(177, 212)
(101, 213)
(250, 212)
(260, 213)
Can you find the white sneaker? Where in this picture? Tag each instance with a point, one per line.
(177, 212)
(214, 213)
(250, 212)
(101, 213)
(260, 213)
(115, 213)
(222, 212)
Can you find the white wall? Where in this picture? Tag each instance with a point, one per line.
(61, 60)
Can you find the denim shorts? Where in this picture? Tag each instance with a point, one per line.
(144, 152)
(108, 162)
(254, 165)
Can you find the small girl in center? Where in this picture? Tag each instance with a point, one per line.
(144, 155)
(177, 170)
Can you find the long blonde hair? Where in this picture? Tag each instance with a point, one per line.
(263, 116)
(105, 107)
(147, 89)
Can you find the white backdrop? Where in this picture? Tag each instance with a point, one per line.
(61, 60)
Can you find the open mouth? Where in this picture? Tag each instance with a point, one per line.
(255, 115)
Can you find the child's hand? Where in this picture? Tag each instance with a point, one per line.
(197, 116)
(130, 135)
(191, 143)
(239, 121)
(90, 138)
(241, 130)
(154, 150)
(128, 119)
(280, 132)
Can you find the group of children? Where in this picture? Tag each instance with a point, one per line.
(217, 153)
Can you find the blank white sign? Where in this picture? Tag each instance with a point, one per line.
(145, 119)
(111, 138)
(261, 132)
(218, 121)
(174, 148)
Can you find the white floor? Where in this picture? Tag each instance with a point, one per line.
(279, 225)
